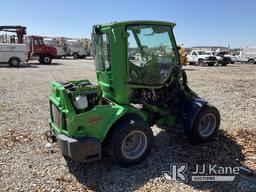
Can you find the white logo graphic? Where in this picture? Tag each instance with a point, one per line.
(177, 172)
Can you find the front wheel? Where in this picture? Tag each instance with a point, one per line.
(206, 125)
(129, 142)
(46, 59)
(200, 62)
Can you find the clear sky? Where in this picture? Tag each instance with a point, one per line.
(199, 22)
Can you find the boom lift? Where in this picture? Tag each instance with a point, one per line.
(19, 30)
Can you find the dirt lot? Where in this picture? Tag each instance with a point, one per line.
(28, 163)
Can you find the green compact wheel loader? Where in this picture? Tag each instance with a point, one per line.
(141, 83)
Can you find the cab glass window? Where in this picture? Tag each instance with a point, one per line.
(101, 50)
(38, 42)
(194, 53)
(152, 54)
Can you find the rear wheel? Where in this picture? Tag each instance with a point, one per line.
(130, 141)
(46, 59)
(14, 62)
(205, 126)
(76, 55)
(251, 61)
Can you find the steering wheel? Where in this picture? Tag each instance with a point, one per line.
(138, 72)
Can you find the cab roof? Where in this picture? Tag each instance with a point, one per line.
(135, 22)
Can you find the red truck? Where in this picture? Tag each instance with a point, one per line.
(40, 51)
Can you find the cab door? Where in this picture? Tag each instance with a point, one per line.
(194, 56)
(38, 45)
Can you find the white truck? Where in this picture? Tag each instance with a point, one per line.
(13, 54)
(247, 55)
(54, 42)
(201, 58)
(78, 48)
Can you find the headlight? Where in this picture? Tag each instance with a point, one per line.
(81, 102)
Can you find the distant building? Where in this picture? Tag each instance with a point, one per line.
(210, 48)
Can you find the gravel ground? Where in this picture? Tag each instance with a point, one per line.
(28, 163)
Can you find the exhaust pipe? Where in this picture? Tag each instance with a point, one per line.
(50, 137)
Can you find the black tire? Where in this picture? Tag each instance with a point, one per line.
(46, 59)
(251, 61)
(76, 55)
(191, 63)
(199, 135)
(118, 138)
(14, 62)
(224, 64)
(200, 62)
(211, 64)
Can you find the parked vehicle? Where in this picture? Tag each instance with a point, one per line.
(54, 42)
(86, 119)
(78, 48)
(212, 53)
(39, 51)
(13, 54)
(221, 57)
(227, 56)
(247, 55)
(202, 57)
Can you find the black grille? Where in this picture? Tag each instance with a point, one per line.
(212, 58)
(227, 59)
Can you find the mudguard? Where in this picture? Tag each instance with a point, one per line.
(191, 110)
